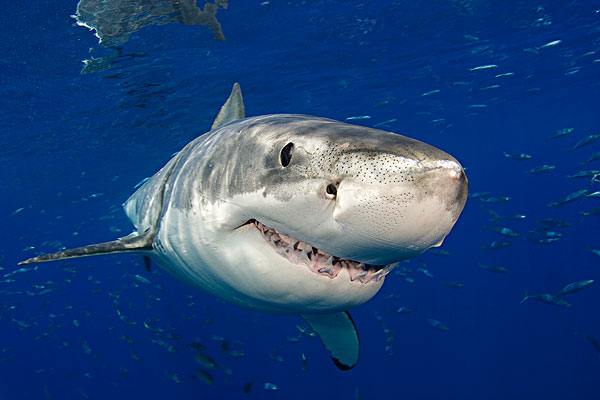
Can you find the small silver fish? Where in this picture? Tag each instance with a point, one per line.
(435, 324)
(358, 117)
(270, 386)
(562, 133)
(569, 198)
(517, 156)
(494, 268)
(454, 285)
(495, 199)
(483, 67)
(205, 361)
(141, 279)
(505, 231)
(595, 194)
(430, 92)
(587, 141)
(585, 174)
(542, 169)
(574, 287)
(498, 244)
(204, 376)
(593, 157)
(550, 44)
(546, 298)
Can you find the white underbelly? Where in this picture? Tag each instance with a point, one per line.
(240, 267)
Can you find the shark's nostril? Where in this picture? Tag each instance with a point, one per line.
(455, 174)
(456, 171)
(331, 189)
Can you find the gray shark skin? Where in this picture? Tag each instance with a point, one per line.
(293, 214)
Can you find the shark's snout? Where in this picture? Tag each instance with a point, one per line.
(449, 181)
(412, 209)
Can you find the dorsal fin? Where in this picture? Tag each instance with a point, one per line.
(232, 110)
(133, 242)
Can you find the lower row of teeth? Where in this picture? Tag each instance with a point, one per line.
(319, 262)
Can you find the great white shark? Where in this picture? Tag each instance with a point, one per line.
(292, 214)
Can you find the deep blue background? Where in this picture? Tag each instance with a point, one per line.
(66, 136)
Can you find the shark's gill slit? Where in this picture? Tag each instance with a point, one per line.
(318, 261)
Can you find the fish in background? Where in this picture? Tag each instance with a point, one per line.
(562, 133)
(593, 211)
(542, 169)
(585, 174)
(518, 156)
(569, 198)
(593, 157)
(497, 245)
(574, 287)
(553, 223)
(494, 199)
(454, 285)
(547, 232)
(505, 231)
(495, 217)
(494, 268)
(435, 324)
(557, 298)
(547, 299)
(594, 342)
(586, 141)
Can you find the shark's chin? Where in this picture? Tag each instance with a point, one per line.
(305, 255)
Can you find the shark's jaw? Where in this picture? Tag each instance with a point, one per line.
(318, 261)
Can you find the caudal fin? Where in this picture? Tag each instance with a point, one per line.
(133, 242)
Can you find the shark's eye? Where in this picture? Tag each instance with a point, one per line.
(286, 154)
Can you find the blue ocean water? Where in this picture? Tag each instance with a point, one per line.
(476, 78)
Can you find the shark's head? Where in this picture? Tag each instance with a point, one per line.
(305, 212)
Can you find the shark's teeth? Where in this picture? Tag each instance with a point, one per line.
(319, 262)
(358, 272)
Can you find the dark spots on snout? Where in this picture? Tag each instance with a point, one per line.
(369, 165)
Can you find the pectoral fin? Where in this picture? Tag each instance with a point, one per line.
(133, 242)
(339, 336)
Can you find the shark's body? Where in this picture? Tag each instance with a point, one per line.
(293, 214)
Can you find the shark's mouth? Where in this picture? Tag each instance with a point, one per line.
(317, 261)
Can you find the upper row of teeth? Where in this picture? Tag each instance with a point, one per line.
(319, 261)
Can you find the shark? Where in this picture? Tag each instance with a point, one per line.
(292, 214)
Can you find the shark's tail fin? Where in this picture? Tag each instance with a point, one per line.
(132, 242)
(525, 298)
